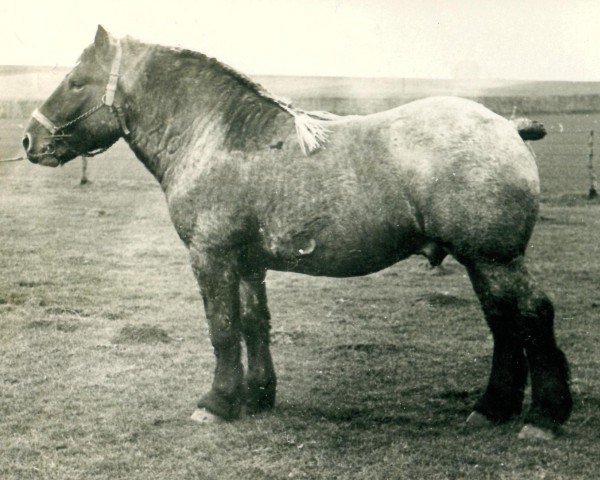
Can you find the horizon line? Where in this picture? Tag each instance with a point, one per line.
(325, 76)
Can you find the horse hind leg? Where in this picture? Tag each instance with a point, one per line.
(261, 382)
(503, 397)
(521, 317)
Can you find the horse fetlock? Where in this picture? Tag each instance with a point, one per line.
(260, 397)
(552, 400)
(225, 407)
(552, 405)
(499, 407)
(552, 408)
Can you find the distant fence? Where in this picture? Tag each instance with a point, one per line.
(565, 157)
(546, 104)
(593, 191)
(503, 105)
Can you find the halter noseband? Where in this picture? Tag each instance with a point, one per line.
(108, 100)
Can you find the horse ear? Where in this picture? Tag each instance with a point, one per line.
(102, 42)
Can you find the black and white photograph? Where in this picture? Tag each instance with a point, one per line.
(299, 239)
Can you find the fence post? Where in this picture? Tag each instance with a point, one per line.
(84, 178)
(593, 192)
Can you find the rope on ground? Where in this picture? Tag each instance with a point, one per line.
(14, 159)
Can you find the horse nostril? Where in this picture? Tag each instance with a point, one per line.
(27, 142)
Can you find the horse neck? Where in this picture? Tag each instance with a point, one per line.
(181, 106)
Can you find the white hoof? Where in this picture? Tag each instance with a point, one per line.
(477, 419)
(531, 432)
(204, 416)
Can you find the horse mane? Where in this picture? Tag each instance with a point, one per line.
(311, 126)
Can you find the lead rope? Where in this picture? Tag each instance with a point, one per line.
(14, 159)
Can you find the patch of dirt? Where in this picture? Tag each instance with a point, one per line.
(444, 299)
(114, 315)
(558, 221)
(39, 324)
(61, 325)
(66, 310)
(147, 334)
(66, 326)
(13, 298)
(369, 347)
(31, 283)
(280, 337)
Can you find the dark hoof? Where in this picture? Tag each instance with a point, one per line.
(220, 406)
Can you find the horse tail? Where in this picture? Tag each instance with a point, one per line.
(529, 129)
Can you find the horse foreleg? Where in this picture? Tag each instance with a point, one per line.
(219, 285)
(521, 317)
(260, 379)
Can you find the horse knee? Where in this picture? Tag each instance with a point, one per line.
(224, 339)
(254, 312)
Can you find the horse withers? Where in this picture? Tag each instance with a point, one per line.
(253, 184)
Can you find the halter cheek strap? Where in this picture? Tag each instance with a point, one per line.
(108, 100)
(111, 87)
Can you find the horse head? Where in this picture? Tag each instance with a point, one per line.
(80, 117)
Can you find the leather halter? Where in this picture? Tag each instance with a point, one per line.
(108, 100)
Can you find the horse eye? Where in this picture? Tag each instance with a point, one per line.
(76, 86)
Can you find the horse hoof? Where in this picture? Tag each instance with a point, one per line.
(202, 415)
(477, 419)
(531, 432)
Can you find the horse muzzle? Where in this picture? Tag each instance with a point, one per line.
(39, 148)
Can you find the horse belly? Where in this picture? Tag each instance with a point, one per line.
(344, 252)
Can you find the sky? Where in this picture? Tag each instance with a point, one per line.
(501, 39)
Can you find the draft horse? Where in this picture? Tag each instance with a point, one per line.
(252, 184)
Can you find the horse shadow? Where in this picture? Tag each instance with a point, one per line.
(443, 409)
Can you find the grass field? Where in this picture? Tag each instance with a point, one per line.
(104, 347)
